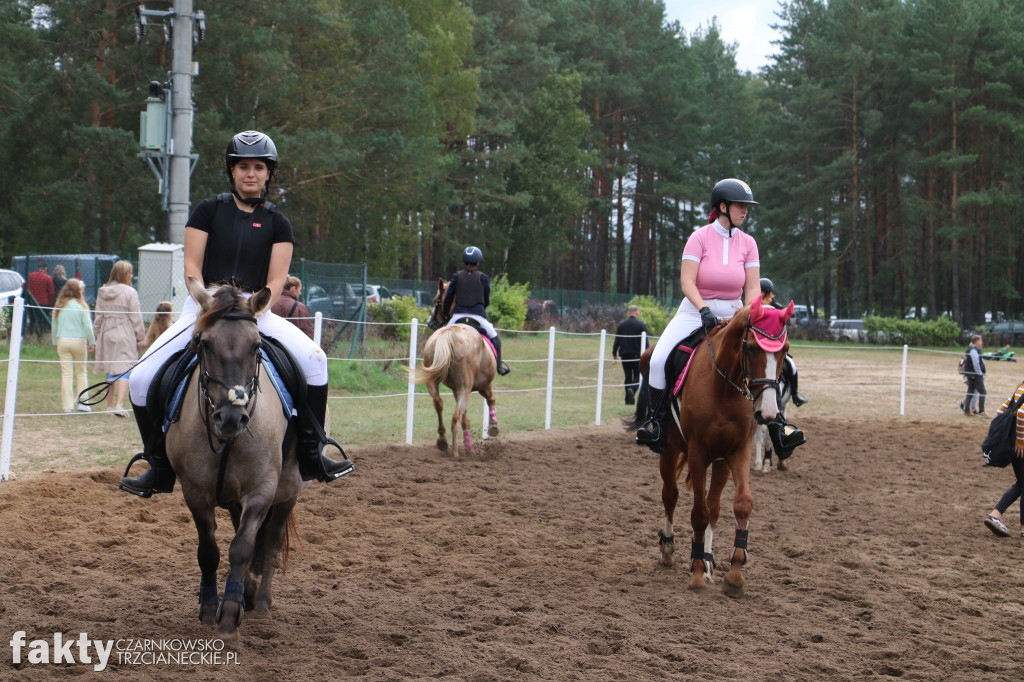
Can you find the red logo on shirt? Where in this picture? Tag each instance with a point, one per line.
(257, 224)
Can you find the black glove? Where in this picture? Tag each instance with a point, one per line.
(708, 319)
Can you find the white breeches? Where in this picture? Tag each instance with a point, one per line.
(687, 320)
(484, 324)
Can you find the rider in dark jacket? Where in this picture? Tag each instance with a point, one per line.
(470, 291)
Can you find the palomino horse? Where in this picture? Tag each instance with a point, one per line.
(730, 378)
(461, 358)
(254, 475)
(762, 444)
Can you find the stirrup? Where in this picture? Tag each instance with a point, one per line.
(799, 400)
(503, 369)
(346, 465)
(144, 491)
(654, 437)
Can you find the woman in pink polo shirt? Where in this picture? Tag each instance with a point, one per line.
(721, 272)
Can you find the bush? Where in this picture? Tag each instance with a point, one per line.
(508, 304)
(896, 330)
(398, 311)
(653, 315)
(593, 319)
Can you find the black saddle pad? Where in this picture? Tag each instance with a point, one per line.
(678, 358)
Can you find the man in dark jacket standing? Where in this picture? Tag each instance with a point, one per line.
(627, 347)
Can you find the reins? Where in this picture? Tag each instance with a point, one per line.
(747, 380)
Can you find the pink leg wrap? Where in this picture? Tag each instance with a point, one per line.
(467, 440)
(494, 415)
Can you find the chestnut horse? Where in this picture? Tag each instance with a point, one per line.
(228, 449)
(461, 358)
(730, 378)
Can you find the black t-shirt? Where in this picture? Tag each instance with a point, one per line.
(238, 244)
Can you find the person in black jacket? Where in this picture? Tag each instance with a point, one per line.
(973, 404)
(627, 347)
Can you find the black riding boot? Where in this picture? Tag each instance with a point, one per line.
(502, 367)
(309, 446)
(794, 394)
(654, 432)
(160, 477)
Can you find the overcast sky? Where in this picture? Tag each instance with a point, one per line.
(743, 22)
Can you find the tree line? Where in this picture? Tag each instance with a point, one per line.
(574, 141)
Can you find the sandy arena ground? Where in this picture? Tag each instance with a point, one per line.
(536, 559)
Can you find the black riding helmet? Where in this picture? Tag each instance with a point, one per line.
(251, 144)
(472, 256)
(766, 286)
(731, 191)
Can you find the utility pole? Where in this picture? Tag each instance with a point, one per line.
(171, 159)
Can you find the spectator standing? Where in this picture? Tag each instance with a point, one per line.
(291, 308)
(161, 323)
(73, 335)
(994, 520)
(60, 278)
(628, 348)
(973, 405)
(40, 285)
(119, 330)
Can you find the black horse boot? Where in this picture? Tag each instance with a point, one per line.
(502, 367)
(785, 437)
(311, 441)
(160, 477)
(797, 399)
(654, 432)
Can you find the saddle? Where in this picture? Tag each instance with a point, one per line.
(475, 324)
(170, 382)
(678, 364)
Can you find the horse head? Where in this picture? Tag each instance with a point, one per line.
(438, 317)
(766, 355)
(227, 343)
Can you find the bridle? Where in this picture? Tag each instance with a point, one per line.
(438, 318)
(242, 396)
(748, 381)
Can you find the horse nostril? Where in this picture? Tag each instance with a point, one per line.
(758, 417)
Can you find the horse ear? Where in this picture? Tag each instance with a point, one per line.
(260, 301)
(440, 283)
(198, 292)
(756, 311)
(787, 313)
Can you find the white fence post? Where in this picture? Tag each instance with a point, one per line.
(318, 325)
(486, 420)
(413, 341)
(551, 378)
(13, 360)
(903, 383)
(600, 375)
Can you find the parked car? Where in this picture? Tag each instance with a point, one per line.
(423, 299)
(373, 293)
(1009, 331)
(846, 330)
(11, 283)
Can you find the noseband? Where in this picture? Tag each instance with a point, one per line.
(242, 396)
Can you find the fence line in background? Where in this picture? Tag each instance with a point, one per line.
(17, 325)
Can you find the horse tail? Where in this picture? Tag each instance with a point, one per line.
(640, 414)
(444, 355)
(258, 555)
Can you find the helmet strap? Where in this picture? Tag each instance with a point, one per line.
(252, 201)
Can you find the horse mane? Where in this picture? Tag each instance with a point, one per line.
(224, 300)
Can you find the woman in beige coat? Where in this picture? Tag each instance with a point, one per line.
(119, 329)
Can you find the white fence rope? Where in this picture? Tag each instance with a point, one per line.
(14, 359)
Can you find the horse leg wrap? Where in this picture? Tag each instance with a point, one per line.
(740, 542)
(208, 595)
(696, 552)
(467, 440)
(665, 540)
(493, 411)
(234, 591)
